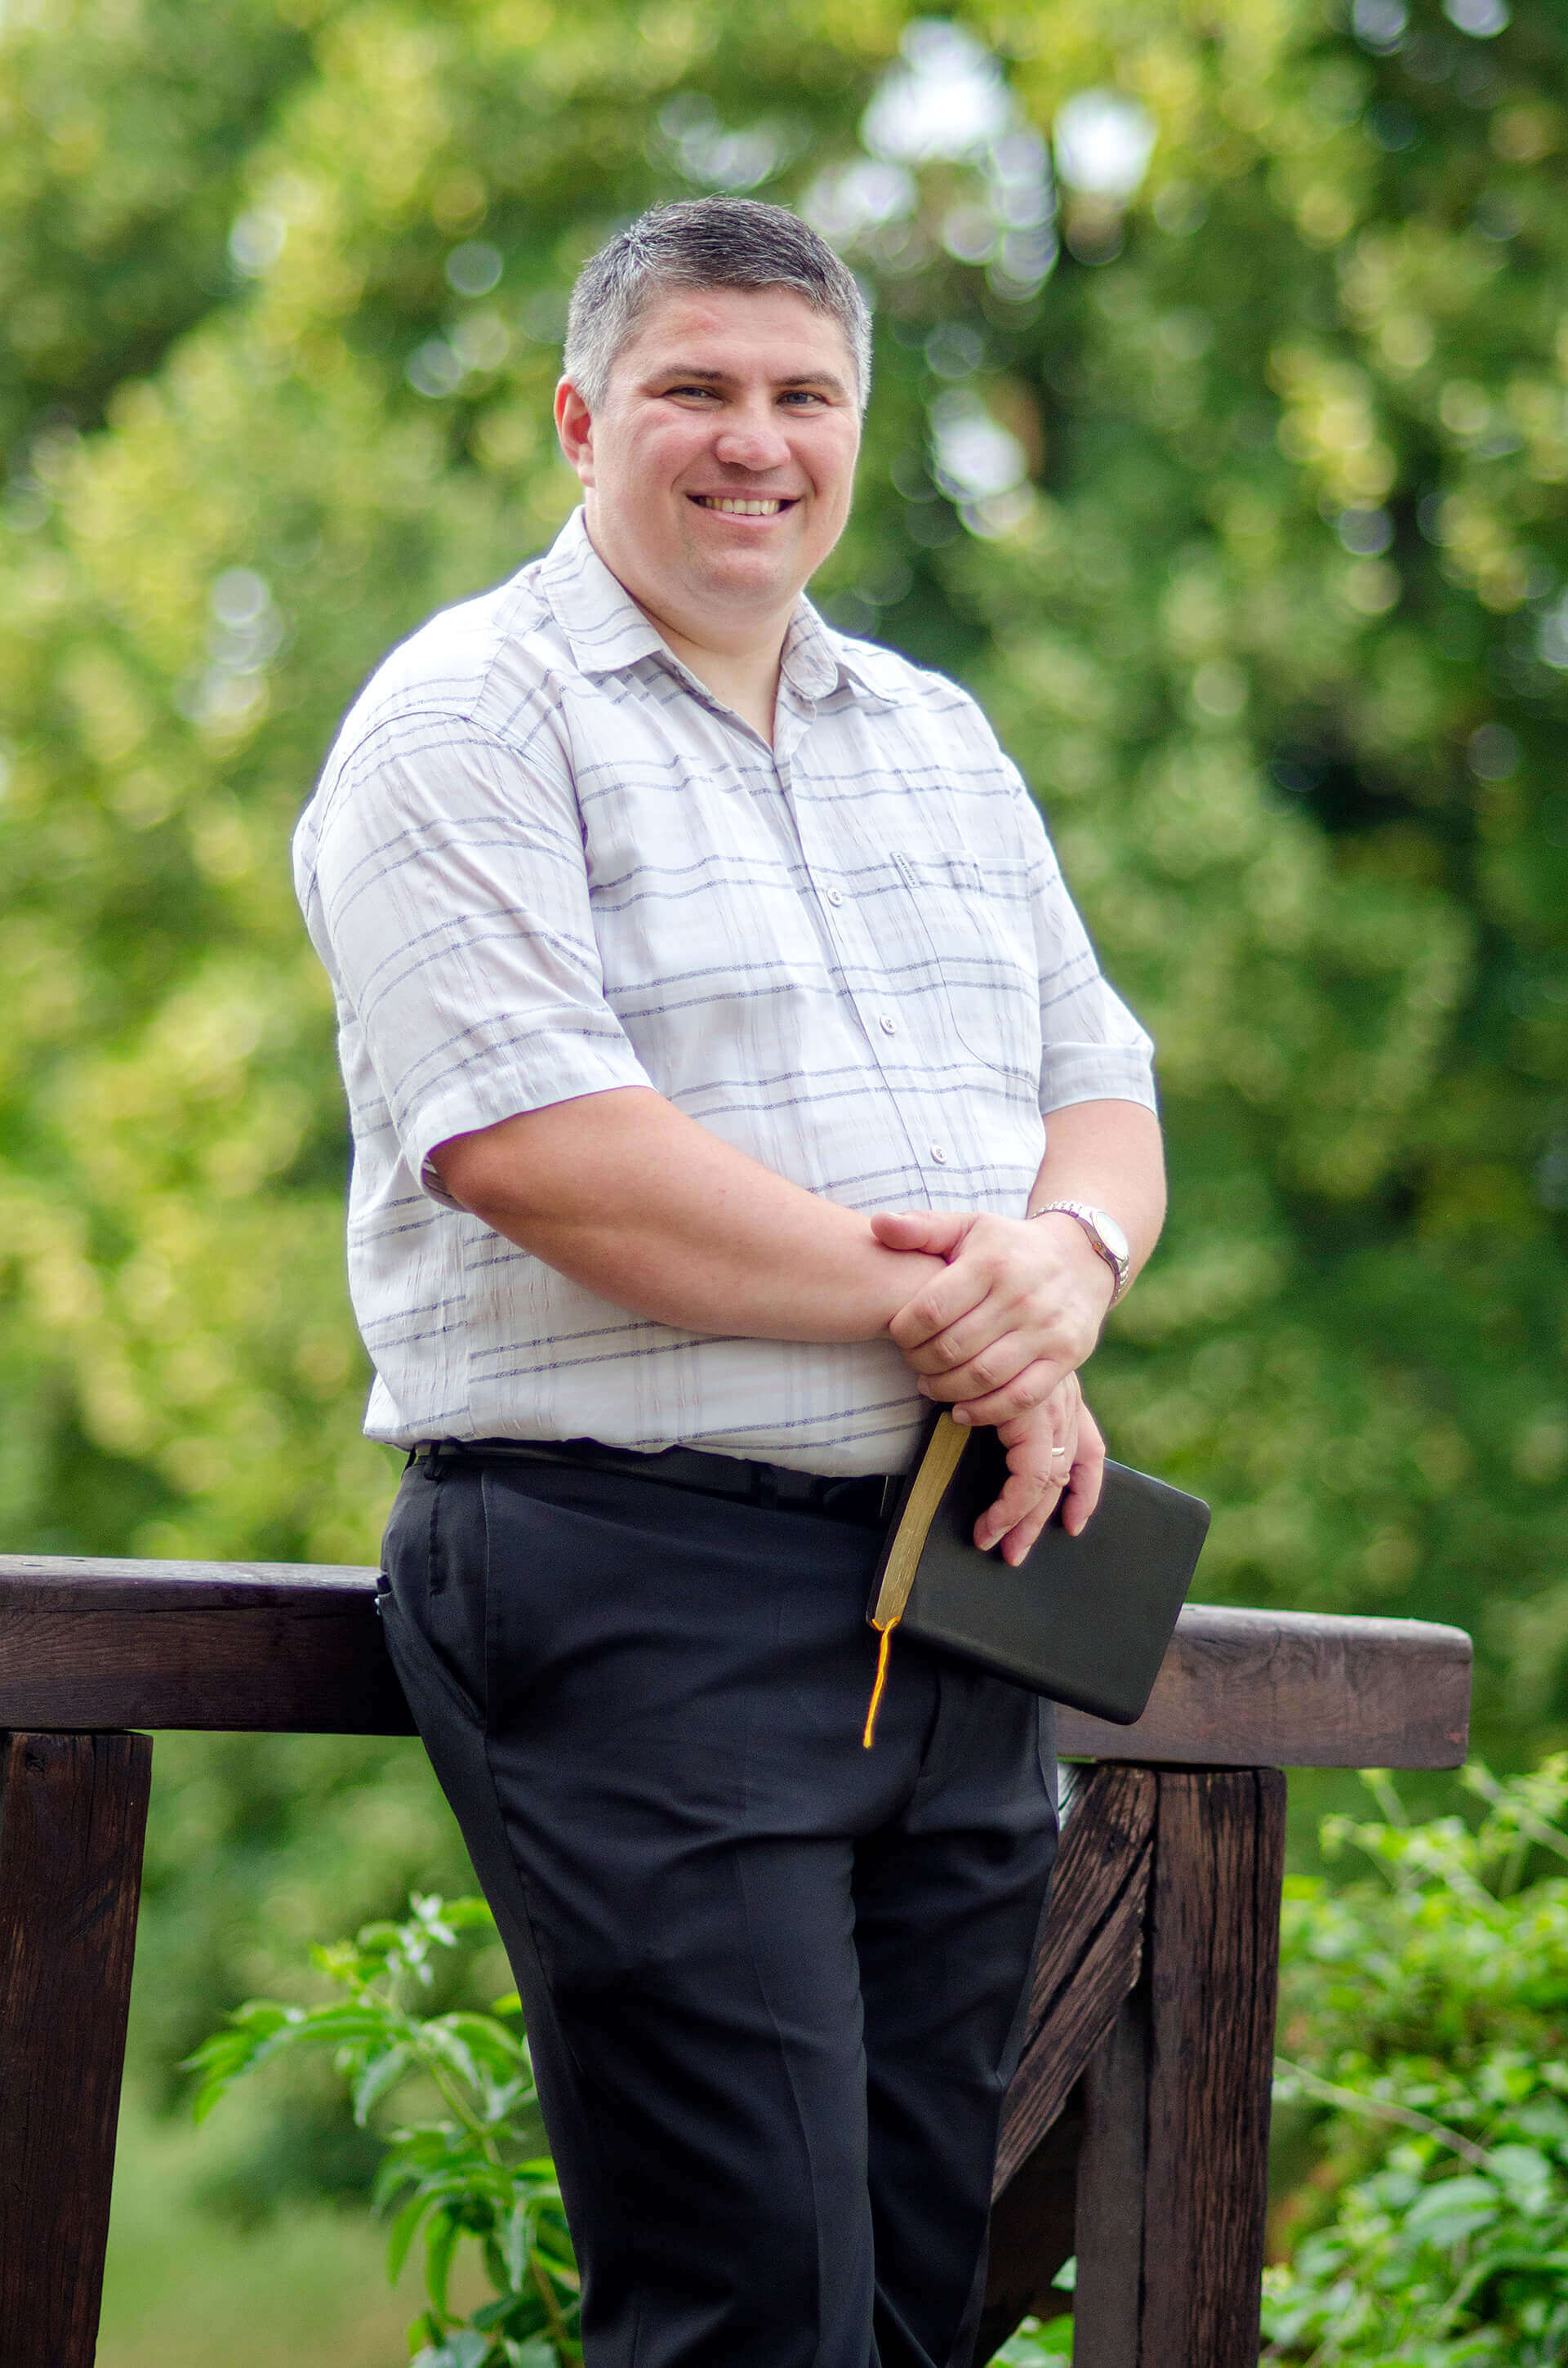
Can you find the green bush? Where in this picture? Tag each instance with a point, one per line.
(1422, 2021)
(475, 2171)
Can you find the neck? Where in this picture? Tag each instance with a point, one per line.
(745, 677)
(734, 655)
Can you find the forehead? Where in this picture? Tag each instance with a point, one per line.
(770, 331)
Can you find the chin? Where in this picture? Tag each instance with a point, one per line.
(766, 577)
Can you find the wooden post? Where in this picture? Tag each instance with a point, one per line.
(1173, 2180)
(73, 1813)
(1112, 2174)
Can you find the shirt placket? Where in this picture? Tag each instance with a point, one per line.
(845, 928)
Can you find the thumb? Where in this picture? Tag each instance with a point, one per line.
(937, 1232)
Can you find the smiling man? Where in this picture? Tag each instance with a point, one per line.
(730, 1075)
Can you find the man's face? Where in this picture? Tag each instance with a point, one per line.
(718, 470)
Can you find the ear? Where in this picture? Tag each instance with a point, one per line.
(574, 427)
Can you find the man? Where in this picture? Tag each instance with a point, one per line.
(675, 942)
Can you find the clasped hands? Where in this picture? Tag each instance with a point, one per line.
(998, 1338)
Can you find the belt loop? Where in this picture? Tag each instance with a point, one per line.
(764, 1486)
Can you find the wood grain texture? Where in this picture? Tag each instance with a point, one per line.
(73, 1813)
(1294, 1690)
(1032, 2233)
(1212, 1967)
(295, 1649)
(1091, 1949)
(1108, 2203)
(316, 1666)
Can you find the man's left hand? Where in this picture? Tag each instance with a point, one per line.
(1055, 1454)
(1020, 1305)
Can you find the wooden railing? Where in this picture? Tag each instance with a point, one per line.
(1135, 2133)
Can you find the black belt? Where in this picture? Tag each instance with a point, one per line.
(865, 1501)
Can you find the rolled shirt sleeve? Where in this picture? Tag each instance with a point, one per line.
(1092, 1047)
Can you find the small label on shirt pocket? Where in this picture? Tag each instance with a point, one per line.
(980, 938)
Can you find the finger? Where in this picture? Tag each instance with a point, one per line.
(940, 1303)
(1025, 1495)
(1088, 1476)
(996, 1361)
(936, 1231)
(1019, 1541)
(1022, 1394)
(982, 1325)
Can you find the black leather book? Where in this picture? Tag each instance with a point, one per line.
(1086, 1620)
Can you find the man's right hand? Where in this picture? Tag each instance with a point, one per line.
(1054, 1451)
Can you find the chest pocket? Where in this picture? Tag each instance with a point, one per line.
(975, 928)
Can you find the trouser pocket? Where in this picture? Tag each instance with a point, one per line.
(435, 1568)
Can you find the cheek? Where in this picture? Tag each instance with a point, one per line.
(835, 487)
(645, 466)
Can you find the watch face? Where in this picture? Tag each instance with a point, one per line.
(1110, 1233)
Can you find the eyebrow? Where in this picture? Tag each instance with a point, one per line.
(724, 378)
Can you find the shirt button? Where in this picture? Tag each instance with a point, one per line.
(834, 896)
(888, 1025)
(938, 1154)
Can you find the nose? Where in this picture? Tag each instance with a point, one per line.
(752, 443)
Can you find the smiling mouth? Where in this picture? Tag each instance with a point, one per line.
(743, 504)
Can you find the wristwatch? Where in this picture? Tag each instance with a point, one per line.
(1104, 1232)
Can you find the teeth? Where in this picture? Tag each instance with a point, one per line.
(734, 508)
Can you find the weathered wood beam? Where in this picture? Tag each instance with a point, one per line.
(248, 1648)
(295, 1649)
(1173, 2179)
(1109, 2207)
(72, 1813)
(1033, 2234)
(1091, 1950)
(1295, 1690)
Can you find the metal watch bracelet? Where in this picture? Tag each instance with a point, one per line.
(1104, 1233)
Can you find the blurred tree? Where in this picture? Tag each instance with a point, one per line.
(1220, 442)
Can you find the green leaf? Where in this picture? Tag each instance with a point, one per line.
(380, 2077)
(1035, 2340)
(1455, 2208)
(441, 2235)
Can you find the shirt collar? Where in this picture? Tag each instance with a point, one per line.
(608, 633)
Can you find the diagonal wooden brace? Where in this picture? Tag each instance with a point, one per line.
(1090, 1959)
(1136, 2131)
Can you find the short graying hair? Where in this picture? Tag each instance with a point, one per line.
(706, 243)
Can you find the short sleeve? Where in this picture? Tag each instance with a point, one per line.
(1094, 1048)
(445, 887)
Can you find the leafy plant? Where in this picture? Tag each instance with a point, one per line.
(1037, 2340)
(475, 2171)
(1425, 2016)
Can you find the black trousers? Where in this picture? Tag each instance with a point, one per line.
(774, 1982)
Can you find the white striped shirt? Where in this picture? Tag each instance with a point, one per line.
(543, 859)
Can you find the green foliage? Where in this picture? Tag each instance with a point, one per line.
(1038, 2340)
(477, 2172)
(1424, 2015)
(1267, 594)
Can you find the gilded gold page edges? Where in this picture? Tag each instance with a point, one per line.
(937, 1467)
